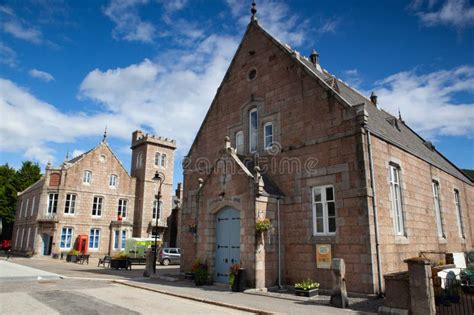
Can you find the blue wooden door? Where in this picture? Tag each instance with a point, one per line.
(227, 242)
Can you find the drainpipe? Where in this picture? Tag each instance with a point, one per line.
(279, 244)
(375, 213)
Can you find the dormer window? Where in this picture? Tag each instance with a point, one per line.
(113, 181)
(87, 178)
(268, 135)
(239, 142)
(253, 130)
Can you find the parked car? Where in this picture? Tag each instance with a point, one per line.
(170, 255)
(467, 275)
(5, 245)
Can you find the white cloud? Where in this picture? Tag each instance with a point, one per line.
(353, 77)
(457, 13)
(7, 55)
(77, 152)
(129, 26)
(274, 16)
(42, 75)
(168, 98)
(329, 26)
(17, 27)
(173, 5)
(428, 101)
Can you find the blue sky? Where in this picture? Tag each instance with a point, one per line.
(67, 69)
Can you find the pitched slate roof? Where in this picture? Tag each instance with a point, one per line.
(380, 123)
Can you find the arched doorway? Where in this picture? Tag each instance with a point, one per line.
(227, 242)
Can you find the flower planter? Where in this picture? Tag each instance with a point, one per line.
(239, 281)
(71, 258)
(307, 293)
(119, 264)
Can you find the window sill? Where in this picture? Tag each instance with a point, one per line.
(442, 240)
(323, 238)
(401, 239)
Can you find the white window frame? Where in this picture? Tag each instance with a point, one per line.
(157, 158)
(52, 203)
(113, 179)
(163, 161)
(94, 239)
(239, 142)
(70, 204)
(33, 205)
(116, 239)
(437, 209)
(123, 239)
(155, 209)
(253, 132)
(22, 237)
(396, 196)
(87, 177)
(139, 160)
(324, 201)
(21, 209)
(122, 207)
(67, 237)
(457, 204)
(267, 143)
(28, 238)
(97, 206)
(17, 237)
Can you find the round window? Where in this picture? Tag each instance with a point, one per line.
(252, 74)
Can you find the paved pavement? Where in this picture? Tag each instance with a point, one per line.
(133, 283)
(13, 272)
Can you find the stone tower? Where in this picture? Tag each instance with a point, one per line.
(150, 154)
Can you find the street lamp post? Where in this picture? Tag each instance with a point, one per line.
(159, 177)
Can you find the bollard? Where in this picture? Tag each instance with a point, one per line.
(339, 292)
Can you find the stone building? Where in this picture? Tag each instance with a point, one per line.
(329, 169)
(93, 195)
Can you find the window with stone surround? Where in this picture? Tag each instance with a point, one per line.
(157, 210)
(21, 209)
(396, 196)
(26, 207)
(239, 142)
(122, 208)
(163, 160)
(324, 210)
(437, 209)
(113, 181)
(116, 239)
(87, 178)
(457, 203)
(70, 204)
(124, 238)
(253, 130)
(157, 158)
(66, 237)
(94, 238)
(139, 160)
(97, 206)
(52, 203)
(268, 135)
(33, 203)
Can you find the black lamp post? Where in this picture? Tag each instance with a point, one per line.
(160, 178)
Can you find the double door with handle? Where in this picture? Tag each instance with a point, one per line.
(227, 242)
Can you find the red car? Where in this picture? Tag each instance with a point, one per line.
(6, 245)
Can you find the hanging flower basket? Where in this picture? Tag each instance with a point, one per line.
(263, 225)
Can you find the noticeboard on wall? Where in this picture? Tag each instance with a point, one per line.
(323, 256)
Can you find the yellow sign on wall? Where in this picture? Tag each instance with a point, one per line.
(323, 256)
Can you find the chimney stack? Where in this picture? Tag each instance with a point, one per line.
(373, 98)
(314, 57)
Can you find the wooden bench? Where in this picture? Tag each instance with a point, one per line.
(104, 261)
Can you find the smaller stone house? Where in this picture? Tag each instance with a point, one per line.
(91, 195)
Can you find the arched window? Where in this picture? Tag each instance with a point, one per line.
(163, 160)
(157, 158)
(239, 142)
(253, 130)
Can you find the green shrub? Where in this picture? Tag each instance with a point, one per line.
(263, 225)
(73, 252)
(307, 284)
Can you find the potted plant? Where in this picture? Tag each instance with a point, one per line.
(72, 255)
(307, 288)
(263, 225)
(119, 261)
(200, 273)
(236, 278)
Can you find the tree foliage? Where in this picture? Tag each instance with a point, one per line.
(11, 182)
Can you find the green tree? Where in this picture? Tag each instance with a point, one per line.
(12, 182)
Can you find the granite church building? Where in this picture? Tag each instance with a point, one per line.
(93, 195)
(286, 140)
